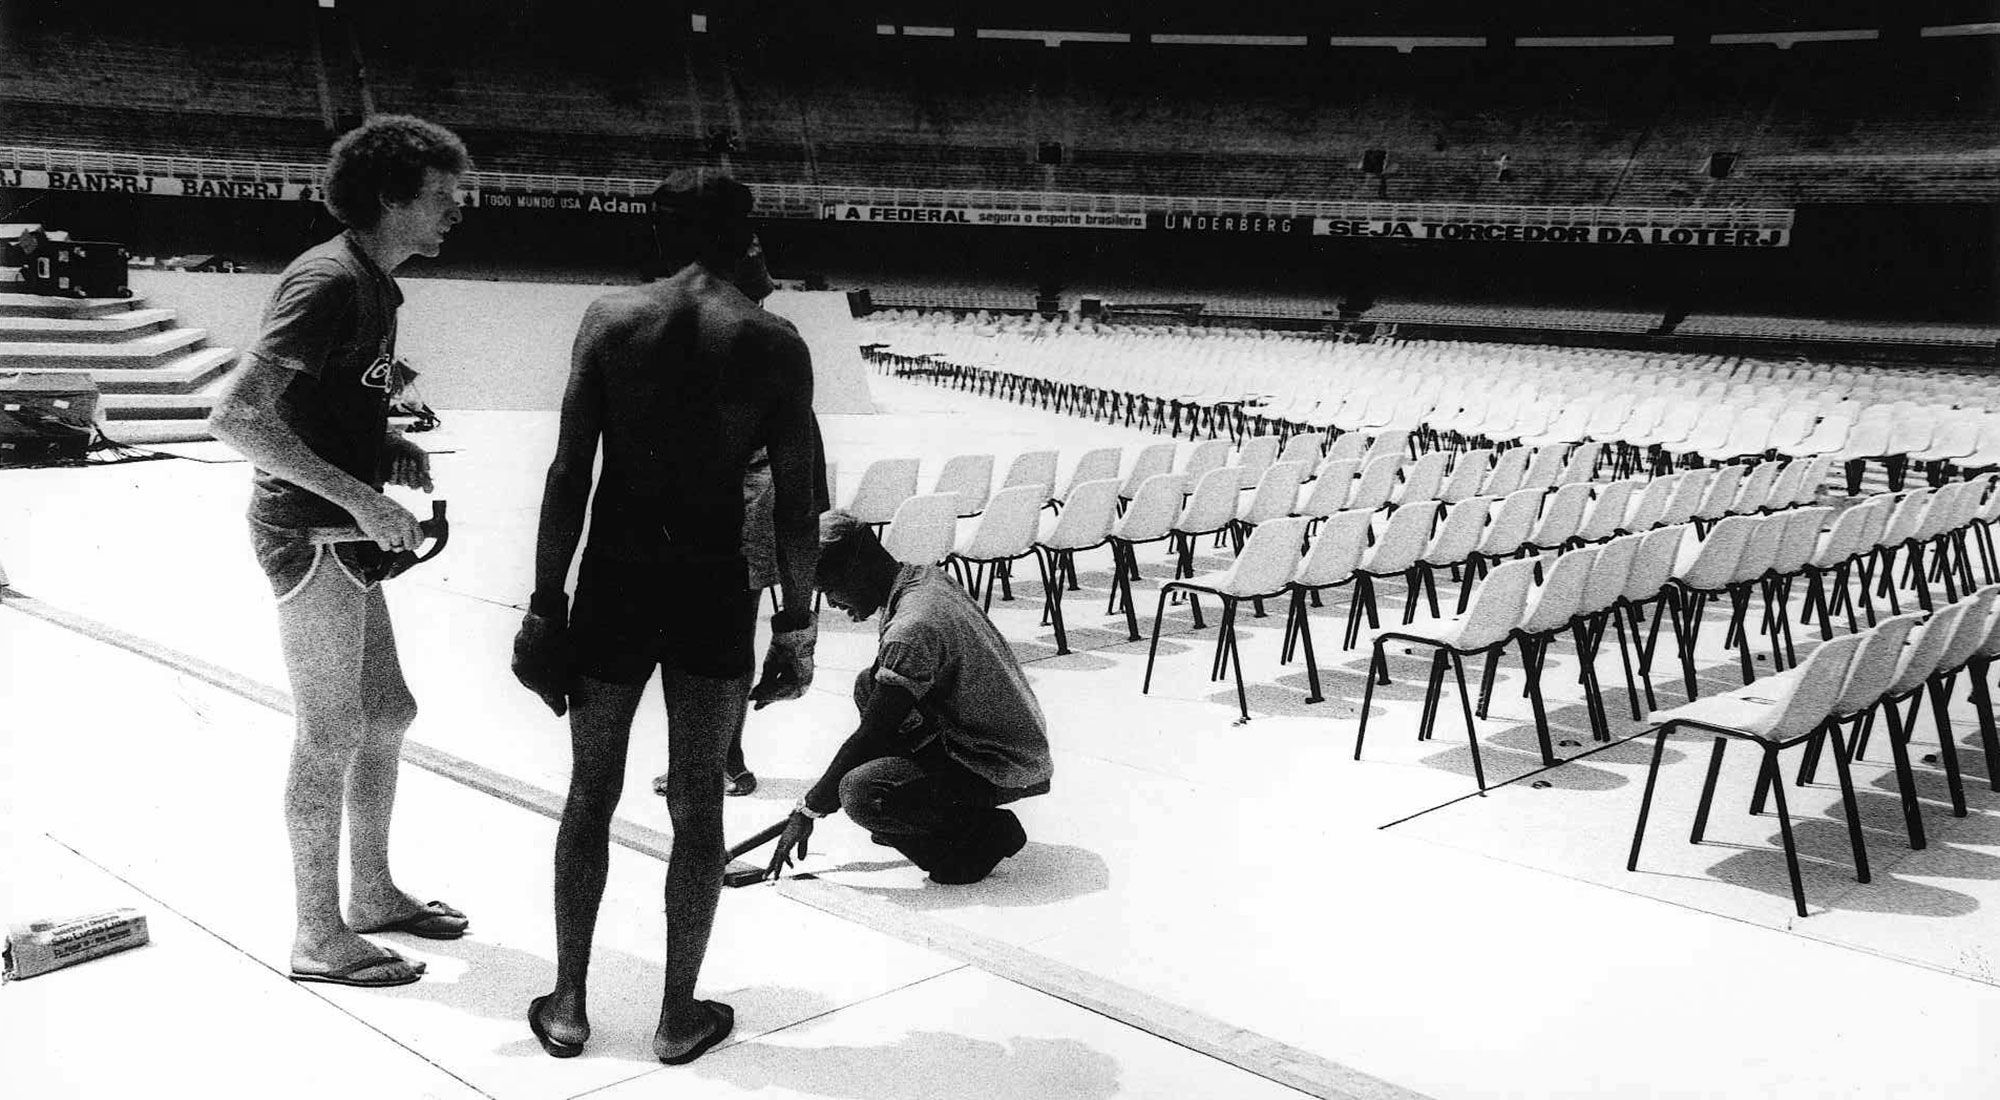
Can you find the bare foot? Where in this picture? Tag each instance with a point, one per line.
(560, 1016)
(691, 1032)
(370, 910)
(344, 950)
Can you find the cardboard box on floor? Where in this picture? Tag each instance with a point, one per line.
(44, 945)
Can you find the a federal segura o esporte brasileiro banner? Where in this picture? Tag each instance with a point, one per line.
(1639, 233)
(875, 214)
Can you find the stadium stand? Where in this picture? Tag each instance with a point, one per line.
(1821, 122)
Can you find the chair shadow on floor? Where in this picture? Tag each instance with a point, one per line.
(1827, 870)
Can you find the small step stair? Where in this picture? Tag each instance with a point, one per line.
(193, 405)
(157, 381)
(109, 327)
(191, 371)
(42, 305)
(157, 431)
(138, 353)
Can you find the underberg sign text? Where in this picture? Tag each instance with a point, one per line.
(1642, 233)
(979, 215)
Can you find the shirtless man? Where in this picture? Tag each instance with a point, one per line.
(308, 405)
(680, 381)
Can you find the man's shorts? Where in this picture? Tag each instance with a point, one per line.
(694, 618)
(289, 559)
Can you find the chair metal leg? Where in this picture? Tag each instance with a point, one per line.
(1124, 586)
(1531, 664)
(1486, 678)
(1785, 827)
(1906, 780)
(1982, 705)
(1739, 605)
(1646, 799)
(1782, 623)
(1234, 655)
(1153, 651)
(1586, 635)
(1052, 596)
(1939, 688)
(1854, 838)
(1471, 732)
(1367, 697)
(1305, 636)
(1708, 791)
(1625, 661)
(1691, 620)
(1427, 720)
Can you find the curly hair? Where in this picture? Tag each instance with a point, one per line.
(384, 160)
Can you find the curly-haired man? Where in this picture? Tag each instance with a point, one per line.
(308, 405)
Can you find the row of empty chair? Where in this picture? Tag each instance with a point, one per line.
(1831, 700)
(1665, 410)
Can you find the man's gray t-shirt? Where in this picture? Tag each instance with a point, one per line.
(940, 647)
(332, 322)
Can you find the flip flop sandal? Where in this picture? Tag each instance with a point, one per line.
(552, 1046)
(740, 783)
(435, 921)
(725, 1022)
(345, 975)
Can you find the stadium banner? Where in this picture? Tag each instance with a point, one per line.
(979, 215)
(130, 183)
(1406, 229)
(557, 202)
(1256, 223)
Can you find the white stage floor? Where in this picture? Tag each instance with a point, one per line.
(1248, 891)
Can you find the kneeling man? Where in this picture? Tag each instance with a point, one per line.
(950, 730)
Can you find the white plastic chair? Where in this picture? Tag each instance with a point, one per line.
(1150, 518)
(924, 529)
(1605, 517)
(1264, 569)
(1210, 509)
(1036, 468)
(1084, 524)
(884, 486)
(970, 479)
(1777, 713)
(1495, 612)
(1096, 464)
(1003, 533)
(1152, 461)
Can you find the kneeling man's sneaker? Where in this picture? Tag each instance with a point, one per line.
(1003, 839)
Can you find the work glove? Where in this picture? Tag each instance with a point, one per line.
(542, 651)
(788, 663)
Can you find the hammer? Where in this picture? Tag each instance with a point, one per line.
(757, 840)
(436, 530)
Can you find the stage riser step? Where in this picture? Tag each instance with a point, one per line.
(93, 330)
(192, 406)
(181, 375)
(39, 305)
(153, 350)
(157, 431)
(185, 411)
